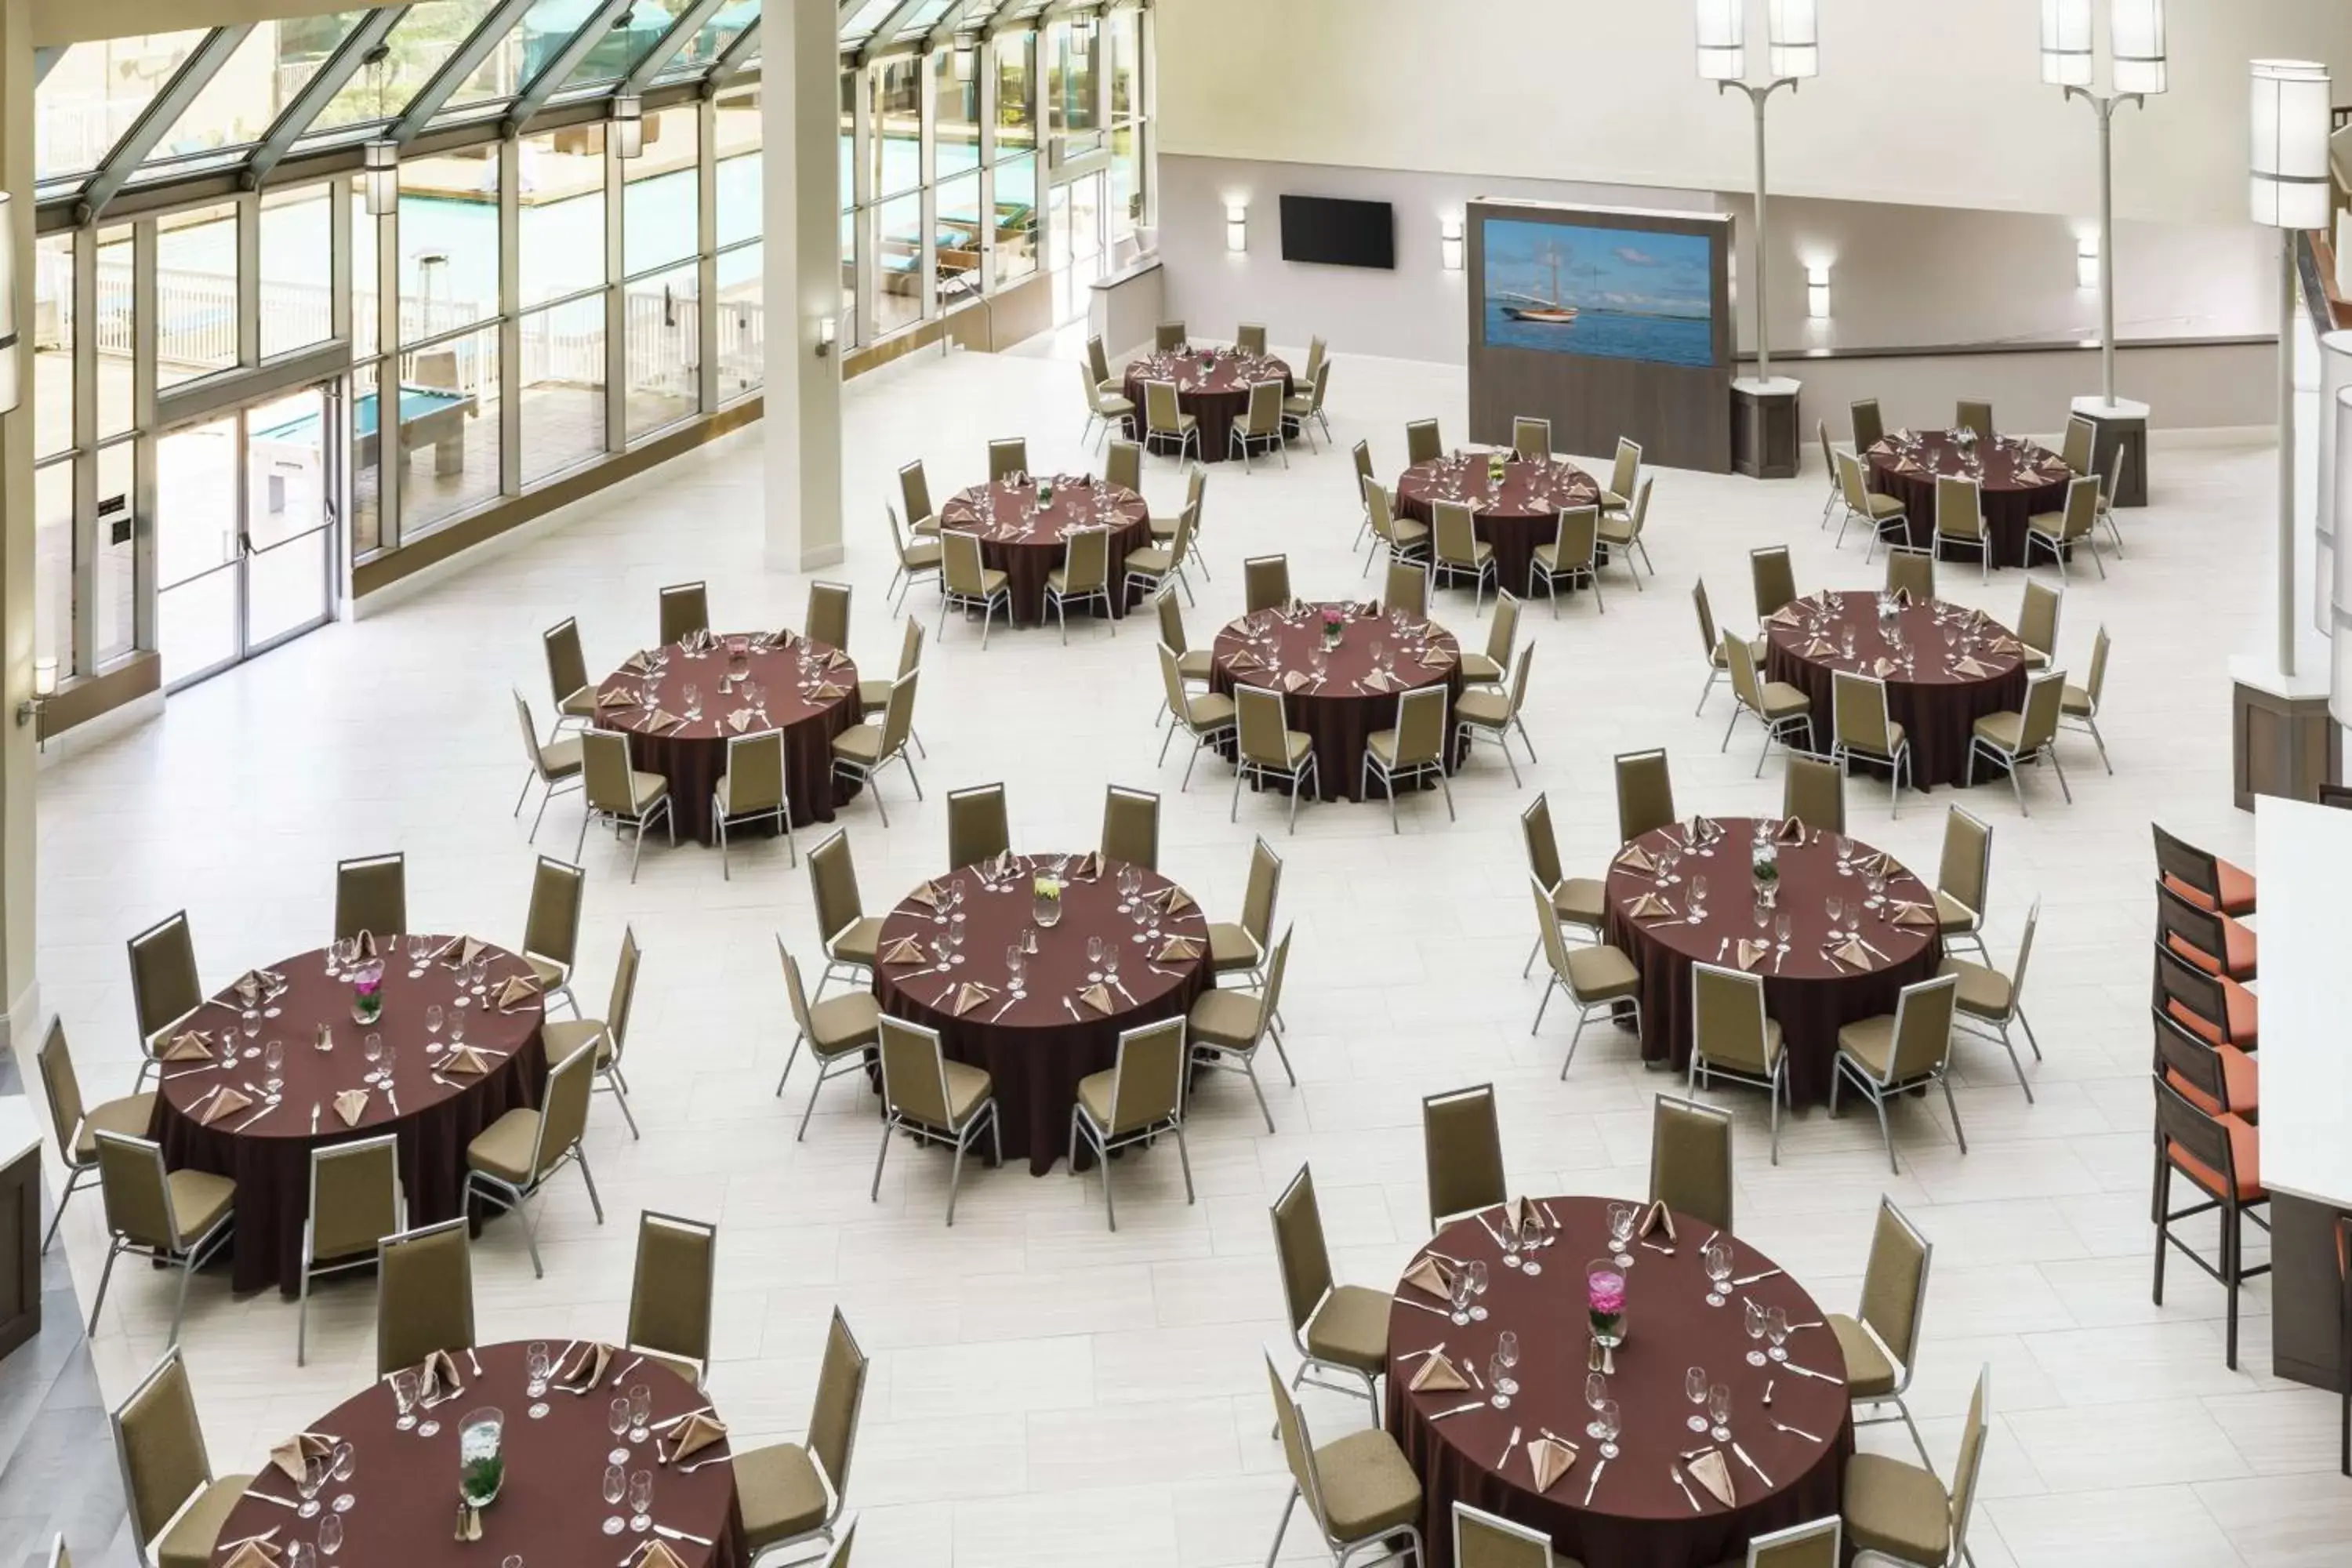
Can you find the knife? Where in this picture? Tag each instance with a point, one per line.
(1590, 1485)
(667, 1532)
(1460, 1409)
(1751, 1464)
(1809, 1372)
(1756, 1279)
(1508, 1447)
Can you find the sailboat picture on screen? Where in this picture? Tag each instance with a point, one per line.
(1604, 293)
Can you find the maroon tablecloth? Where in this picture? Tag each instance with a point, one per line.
(1936, 703)
(1028, 544)
(1217, 393)
(1039, 1046)
(1514, 517)
(693, 755)
(1637, 1517)
(268, 1156)
(1810, 995)
(2018, 480)
(551, 1507)
(1338, 713)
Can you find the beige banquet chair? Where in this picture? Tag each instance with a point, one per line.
(1819, 1544)
(2076, 447)
(1123, 466)
(874, 696)
(1421, 443)
(1082, 578)
(1959, 520)
(979, 827)
(914, 495)
(850, 935)
(177, 1507)
(685, 610)
(1690, 1159)
(1963, 879)
(1192, 664)
(568, 685)
(1241, 947)
(1130, 826)
(1259, 430)
(826, 620)
(1269, 750)
(1361, 1492)
(671, 1287)
(551, 928)
(792, 1493)
(1495, 715)
(1595, 977)
(1774, 579)
(1109, 410)
(1407, 589)
(1881, 1341)
(1900, 1511)
(1098, 364)
(1711, 643)
(1913, 572)
(356, 1201)
(1624, 472)
(1861, 728)
(966, 584)
(554, 766)
(1781, 709)
(1412, 751)
(1573, 555)
(1266, 583)
(1885, 1056)
(164, 990)
(840, 1034)
(1579, 901)
(610, 1034)
(1482, 1540)
(1459, 551)
(861, 752)
(1732, 1037)
(1975, 416)
(179, 1220)
(1869, 428)
(1645, 794)
(2037, 623)
(1462, 1153)
(1531, 438)
(1228, 1026)
(1155, 570)
(1491, 668)
(1883, 515)
(1813, 792)
(752, 790)
(1209, 718)
(1164, 419)
(1249, 338)
(1405, 538)
(2080, 704)
(513, 1158)
(1335, 1328)
(2058, 532)
(1134, 1101)
(1196, 490)
(2018, 736)
(74, 1124)
(1360, 454)
(1988, 1002)
(1836, 502)
(1622, 531)
(1008, 457)
(1169, 337)
(933, 1100)
(618, 793)
(2111, 481)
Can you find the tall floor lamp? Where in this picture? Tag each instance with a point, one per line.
(2291, 191)
(1764, 442)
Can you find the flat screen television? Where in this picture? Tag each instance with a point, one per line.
(1607, 293)
(1339, 233)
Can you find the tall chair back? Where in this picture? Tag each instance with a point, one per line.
(1266, 582)
(1975, 415)
(2037, 618)
(1503, 630)
(2076, 449)
(1172, 621)
(1250, 338)
(1007, 457)
(163, 985)
(1421, 728)
(2043, 693)
(1923, 1029)
(551, 927)
(1258, 898)
(138, 1199)
(1645, 794)
(1097, 361)
(63, 1086)
(567, 667)
(1130, 826)
(604, 773)
(1542, 844)
(1482, 1540)
(674, 1283)
(684, 608)
(1379, 512)
(1123, 466)
(1858, 713)
(1625, 469)
(914, 1074)
(1147, 1084)
(1775, 579)
(977, 827)
(1911, 571)
(1964, 869)
(1707, 639)
(914, 495)
(1407, 589)
(1086, 561)
(563, 1118)
(425, 1294)
(1262, 725)
(755, 772)
(372, 895)
(1894, 1282)
(1301, 1249)
(840, 1396)
(1461, 1149)
(355, 1197)
(1362, 454)
(1262, 416)
(1813, 792)
(1421, 442)
(1959, 508)
(832, 887)
(1971, 1460)
(1168, 336)
(1690, 1159)
(1531, 438)
(159, 1445)
(827, 620)
(1819, 1544)
(1869, 429)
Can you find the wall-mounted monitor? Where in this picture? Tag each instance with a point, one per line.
(1336, 233)
(1610, 293)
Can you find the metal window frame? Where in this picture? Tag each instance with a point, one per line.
(666, 48)
(470, 55)
(321, 89)
(162, 112)
(732, 59)
(557, 72)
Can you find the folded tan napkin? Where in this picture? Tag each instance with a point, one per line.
(189, 1046)
(227, 1102)
(1657, 1218)
(664, 720)
(1906, 465)
(658, 1555)
(465, 1059)
(1437, 1372)
(1245, 661)
(637, 663)
(1852, 952)
(1791, 831)
(252, 1554)
(1087, 869)
(740, 720)
(461, 951)
(1709, 1471)
(1969, 668)
(1292, 679)
(1783, 617)
(1172, 901)
(1097, 997)
(1436, 658)
(1636, 858)
(695, 1434)
(1916, 915)
(1819, 648)
(250, 986)
(1876, 861)
(294, 1455)
(2008, 645)
(1431, 1274)
(616, 697)
(518, 990)
(829, 692)
(1649, 907)
(437, 1375)
(367, 948)
(971, 995)
(1903, 598)
(1550, 1459)
(350, 1105)
(1883, 666)
(906, 950)
(586, 1366)
(1178, 950)
(1381, 681)
(926, 893)
(1751, 951)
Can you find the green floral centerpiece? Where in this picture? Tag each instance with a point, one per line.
(1494, 466)
(1764, 865)
(1044, 492)
(481, 1455)
(1046, 901)
(367, 992)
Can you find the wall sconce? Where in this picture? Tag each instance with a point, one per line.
(1817, 293)
(10, 388)
(380, 175)
(629, 124)
(1236, 226)
(1449, 244)
(828, 328)
(45, 686)
(2086, 262)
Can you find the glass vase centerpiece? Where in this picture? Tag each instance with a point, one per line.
(367, 991)
(481, 1467)
(1335, 627)
(1764, 866)
(1046, 901)
(1604, 1308)
(1044, 492)
(1496, 467)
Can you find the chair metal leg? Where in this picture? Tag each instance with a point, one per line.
(72, 1182)
(955, 1181)
(1282, 1526)
(1249, 1065)
(1953, 1106)
(875, 1193)
(113, 1251)
(1878, 1103)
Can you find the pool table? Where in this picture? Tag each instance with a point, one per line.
(428, 417)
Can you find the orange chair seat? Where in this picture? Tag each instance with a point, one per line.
(2244, 1016)
(2241, 1082)
(2237, 890)
(2245, 1152)
(2239, 957)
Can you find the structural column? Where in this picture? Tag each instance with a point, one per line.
(800, 114)
(19, 759)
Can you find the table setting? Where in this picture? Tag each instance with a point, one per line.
(1833, 927)
(2017, 479)
(429, 1038)
(1516, 502)
(1652, 1393)
(429, 1465)
(1211, 383)
(1031, 967)
(1023, 523)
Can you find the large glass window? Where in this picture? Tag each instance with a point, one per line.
(195, 293)
(367, 294)
(661, 209)
(562, 213)
(447, 426)
(898, 252)
(712, 38)
(1016, 217)
(741, 338)
(418, 46)
(1126, 182)
(116, 612)
(897, 126)
(1072, 86)
(298, 291)
(740, 186)
(1016, 70)
(958, 251)
(52, 337)
(253, 86)
(115, 330)
(94, 92)
(449, 242)
(1123, 31)
(562, 384)
(53, 520)
(661, 315)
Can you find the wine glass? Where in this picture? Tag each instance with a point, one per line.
(616, 1421)
(1511, 1245)
(433, 1016)
(273, 1059)
(535, 1364)
(1596, 1394)
(1506, 1356)
(331, 1535)
(1016, 968)
(955, 942)
(1110, 962)
(1834, 907)
(1845, 856)
(1620, 1233)
(1458, 1289)
(415, 956)
(1754, 1323)
(343, 1461)
(616, 1486)
(371, 1047)
(404, 1392)
(1611, 1422)
(1717, 1258)
(1698, 899)
(641, 1411)
(1718, 1406)
(641, 1500)
(457, 1026)
(1498, 1394)
(1780, 929)
(693, 695)
(481, 975)
(1094, 957)
(1476, 1269)
(1776, 1329)
(1695, 1390)
(249, 1024)
(1535, 1238)
(314, 1476)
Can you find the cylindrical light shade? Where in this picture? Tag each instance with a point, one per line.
(1795, 27)
(1449, 244)
(2289, 186)
(45, 676)
(628, 124)
(2087, 263)
(1817, 293)
(380, 171)
(2135, 42)
(1722, 40)
(10, 386)
(1236, 226)
(2066, 42)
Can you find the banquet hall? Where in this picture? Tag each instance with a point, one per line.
(1857, 483)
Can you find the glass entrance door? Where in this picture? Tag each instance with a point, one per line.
(245, 532)
(1074, 218)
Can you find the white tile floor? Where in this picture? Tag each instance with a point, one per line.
(1044, 1391)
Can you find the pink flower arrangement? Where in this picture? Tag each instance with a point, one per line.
(1606, 1294)
(1334, 618)
(367, 992)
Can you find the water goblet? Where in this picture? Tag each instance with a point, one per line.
(1596, 1394)
(641, 1500)
(415, 956)
(693, 695)
(1498, 1395)
(1754, 1324)
(403, 1393)
(641, 1412)
(481, 975)
(273, 1058)
(1094, 957)
(1845, 856)
(1776, 1329)
(1718, 1406)
(535, 1364)
(341, 1464)
(371, 1048)
(1620, 1233)
(616, 1421)
(433, 1017)
(1834, 907)
(331, 1535)
(1763, 915)
(1506, 1355)
(616, 1486)
(1511, 1244)
(458, 1030)
(1782, 926)
(1459, 1292)
(1535, 1238)
(955, 943)
(1695, 1390)
(1110, 962)
(1717, 1258)
(314, 1476)
(1016, 969)
(1476, 1269)
(249, 1025)
(1612, 1421)
(1698, 899)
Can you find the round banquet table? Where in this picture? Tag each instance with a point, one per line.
(1514, 517)
(1038, 1046)
(1027, 542)
(1275, 648)
(811, 709)
(1216, 394)
(1808, 993)
(551, 1507)
(2016, 479)
(1936, 697)
(1636, 1516)
(268, 1154)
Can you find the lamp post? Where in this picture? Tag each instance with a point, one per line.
(1764, 424)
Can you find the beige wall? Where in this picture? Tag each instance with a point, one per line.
(72, 21)
(1938, 105)
(18, 759)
